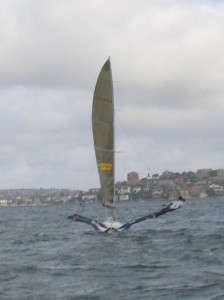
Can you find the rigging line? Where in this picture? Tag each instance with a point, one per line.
(82, 207)
(131, 141)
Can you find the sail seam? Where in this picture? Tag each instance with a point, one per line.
(102, 122)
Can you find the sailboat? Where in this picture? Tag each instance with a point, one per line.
(103, 136)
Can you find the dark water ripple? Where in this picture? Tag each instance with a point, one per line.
(177, 256)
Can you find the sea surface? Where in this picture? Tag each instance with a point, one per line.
(180, 255)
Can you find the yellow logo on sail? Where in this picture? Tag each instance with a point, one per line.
(105, 166)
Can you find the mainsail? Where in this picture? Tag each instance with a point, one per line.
(103, 132)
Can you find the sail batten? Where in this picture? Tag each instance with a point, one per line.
(106, 150)
(101, 122)
(103, 132)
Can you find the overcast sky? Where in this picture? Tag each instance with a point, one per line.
(168, 71)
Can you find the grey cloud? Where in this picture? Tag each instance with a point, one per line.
(167, 61)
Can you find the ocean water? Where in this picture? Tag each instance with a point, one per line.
(179, 255)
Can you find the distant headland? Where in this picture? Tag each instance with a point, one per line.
(202, 184)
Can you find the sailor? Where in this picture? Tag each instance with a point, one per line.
(177, 203)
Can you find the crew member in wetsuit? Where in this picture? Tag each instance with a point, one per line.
(177, 203)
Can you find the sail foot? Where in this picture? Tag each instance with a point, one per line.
(109, 204)
(110, 211)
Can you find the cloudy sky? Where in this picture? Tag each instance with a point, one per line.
(168, 71)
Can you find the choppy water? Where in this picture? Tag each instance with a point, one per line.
(177, 256)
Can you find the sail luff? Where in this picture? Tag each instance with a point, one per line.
(103, 132)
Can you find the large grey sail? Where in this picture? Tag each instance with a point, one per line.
(103, 131)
